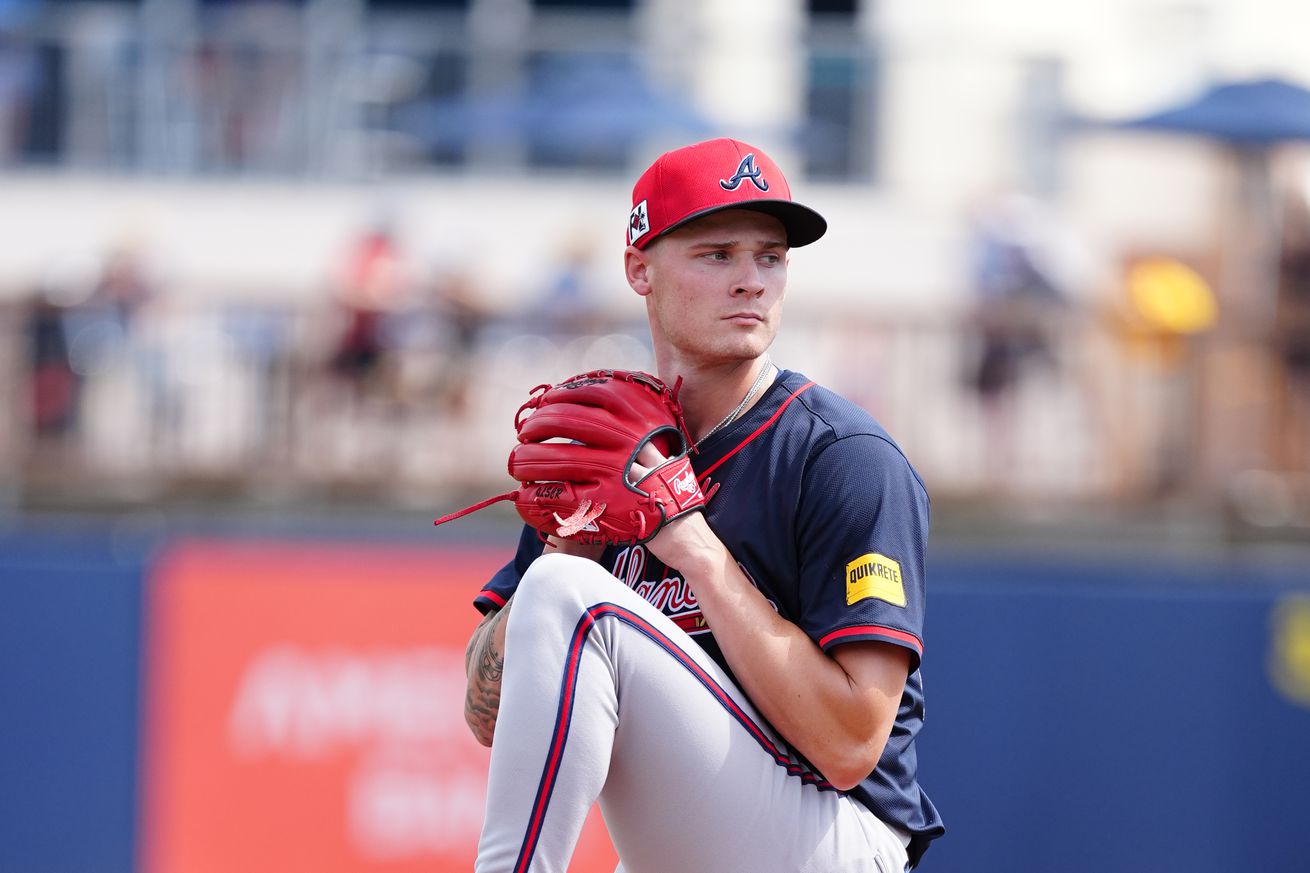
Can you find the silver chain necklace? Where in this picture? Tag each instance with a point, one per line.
(732, 416)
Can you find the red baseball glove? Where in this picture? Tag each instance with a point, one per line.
(578, 441)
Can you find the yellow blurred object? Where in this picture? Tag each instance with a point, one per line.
(1289, 656)
(1171, 297)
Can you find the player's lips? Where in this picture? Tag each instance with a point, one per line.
(745, 317)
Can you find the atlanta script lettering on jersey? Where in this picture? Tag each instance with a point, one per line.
(670, 594)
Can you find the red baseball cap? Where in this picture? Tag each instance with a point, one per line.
(696, 180)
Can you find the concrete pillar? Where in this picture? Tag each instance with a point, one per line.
(741, 62)
(498, 29)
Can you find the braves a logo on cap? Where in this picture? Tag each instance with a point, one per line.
(638, 223)
(745, 170)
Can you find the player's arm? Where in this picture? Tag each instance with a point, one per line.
(835, 710)
(484, 656)
(484, 661)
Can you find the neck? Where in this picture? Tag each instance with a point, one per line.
(712, 391)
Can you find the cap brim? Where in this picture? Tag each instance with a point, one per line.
(803, 224)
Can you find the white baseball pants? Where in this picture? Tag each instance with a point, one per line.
(604, 697)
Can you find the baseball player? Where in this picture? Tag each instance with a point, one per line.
(738, 686)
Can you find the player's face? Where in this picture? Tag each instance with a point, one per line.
(714, 289)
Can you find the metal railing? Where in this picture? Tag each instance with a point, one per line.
(254, 404)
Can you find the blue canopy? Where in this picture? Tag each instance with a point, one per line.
(571, 104)
(1258, 114)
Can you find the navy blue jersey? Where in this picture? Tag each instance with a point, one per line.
(826, 516)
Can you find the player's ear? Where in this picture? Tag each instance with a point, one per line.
(637, 267)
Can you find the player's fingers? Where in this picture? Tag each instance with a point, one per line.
(648, 458)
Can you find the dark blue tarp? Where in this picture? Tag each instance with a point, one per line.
(1102, 712)
(70, 663)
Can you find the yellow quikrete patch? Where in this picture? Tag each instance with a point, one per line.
(874, 575)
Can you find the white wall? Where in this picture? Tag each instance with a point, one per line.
(283, 240)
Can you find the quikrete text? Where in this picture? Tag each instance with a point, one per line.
(875, 568)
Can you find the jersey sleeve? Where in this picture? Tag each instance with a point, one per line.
(497, 592)
(862, 526)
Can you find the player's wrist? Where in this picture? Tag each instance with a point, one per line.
(688, 544)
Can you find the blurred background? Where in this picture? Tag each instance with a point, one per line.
(276, 274)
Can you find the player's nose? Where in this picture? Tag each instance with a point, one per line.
(749, 281)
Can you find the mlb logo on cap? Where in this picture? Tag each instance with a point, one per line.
(638, 223)
(697, 180)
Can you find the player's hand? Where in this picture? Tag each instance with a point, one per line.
(683, 541)
(591, 552)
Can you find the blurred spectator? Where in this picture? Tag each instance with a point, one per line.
(100, 324)
(465, 315)
(55, 385)
(567, 306)
(347, 401)
(1292, 329)
(18, 77)
(123, 287)
(79, 332)
(261, 335)
(1017, 295)
(373, 282)
(436, 339)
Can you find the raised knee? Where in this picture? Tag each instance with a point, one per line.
(549, 569)
(562, 579)
(548, 596)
